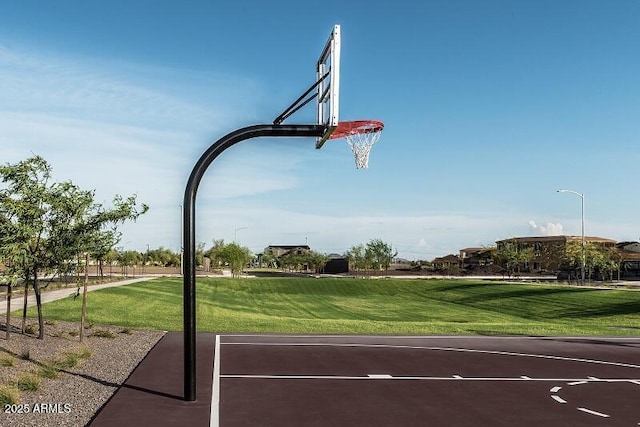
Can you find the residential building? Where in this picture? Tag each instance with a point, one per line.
(472, 258)
(447, 262)
(279, 250)
(548, 251)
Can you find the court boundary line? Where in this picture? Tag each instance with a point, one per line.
(452, 349)
(214, 420)
(481, 337)
(421, 378)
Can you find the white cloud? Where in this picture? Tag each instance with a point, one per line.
(550, 229)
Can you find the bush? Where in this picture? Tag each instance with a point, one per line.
(6, 360)
(8, 395)
(30, 329)
(28, 382)
(102, 333)
(48, 371)
(70, 360)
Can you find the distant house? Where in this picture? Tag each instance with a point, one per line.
(472, 258)
(280, 250)
(446, 262)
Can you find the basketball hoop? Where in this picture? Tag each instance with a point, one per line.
(361, 135)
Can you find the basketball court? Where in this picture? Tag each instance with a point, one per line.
(295, 380)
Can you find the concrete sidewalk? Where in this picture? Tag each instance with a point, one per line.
(48, 296)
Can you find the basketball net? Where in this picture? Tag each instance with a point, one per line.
(361, 144)
(361, 135)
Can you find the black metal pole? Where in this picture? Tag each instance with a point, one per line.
(189, 230)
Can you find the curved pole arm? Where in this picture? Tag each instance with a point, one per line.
(188, 227)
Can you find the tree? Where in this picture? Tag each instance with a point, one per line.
(164, 257)
(236, 256)
(316, 260)
(380, 254)
(128, 259)
(44, 225)
(358, 258)
(215, 252)
(598, 258)
(512, 255)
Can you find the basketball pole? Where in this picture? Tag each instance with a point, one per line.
(189, 230)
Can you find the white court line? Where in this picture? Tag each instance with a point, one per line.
(589, 411)
(558, 399)
(433, 337)
(404, 378)
(452, 349)
(555, 389)
(380, 376)
(215, 393)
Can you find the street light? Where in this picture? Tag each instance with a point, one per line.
(235, 233)
(584, 256)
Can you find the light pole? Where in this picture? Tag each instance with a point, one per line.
(235, 233)
(584, 255)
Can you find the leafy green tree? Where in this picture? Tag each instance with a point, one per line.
(215, 252)
(110, 258)
(316, 260)
(128, 259)
(380, 254)
(269, 260)
(236, 256)
(45, 225)
(164, 257)
(200, 254)
(358, 258)
(512, 256)
(598, 258)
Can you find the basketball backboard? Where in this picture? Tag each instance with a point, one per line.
(328, 85)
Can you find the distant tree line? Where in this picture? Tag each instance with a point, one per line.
(600, 261)
(375, 256)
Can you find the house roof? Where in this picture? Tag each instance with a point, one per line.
(563, 238)
(447, 258)
(289, 246)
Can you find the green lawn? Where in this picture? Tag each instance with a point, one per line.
(360, 306)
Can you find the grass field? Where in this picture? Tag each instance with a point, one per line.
(361, 306)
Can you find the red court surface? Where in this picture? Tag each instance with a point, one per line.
(268, 380)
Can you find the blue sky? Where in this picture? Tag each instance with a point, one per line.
(489, 108)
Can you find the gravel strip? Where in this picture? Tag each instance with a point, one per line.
(79, 392)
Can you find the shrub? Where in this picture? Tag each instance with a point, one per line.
(84, 353)
(126, 331)
(48, 371)
(25, 354)
(6, 360)
(71, 359)
(102, 333)
(8, 395)
(28, 382)
(30, 329)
